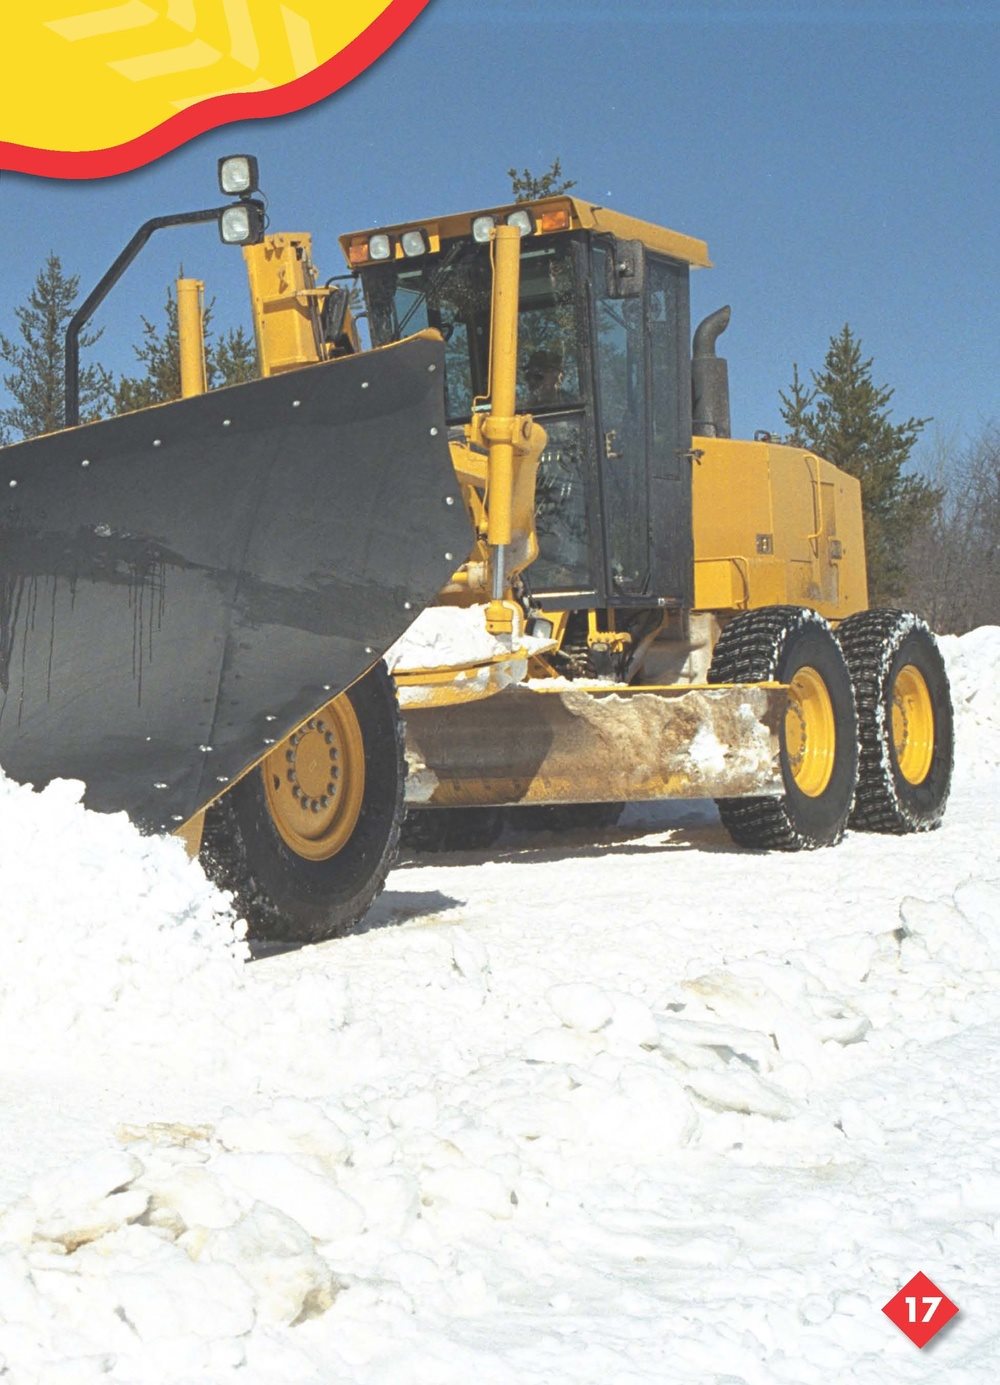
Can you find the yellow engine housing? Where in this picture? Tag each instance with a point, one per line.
(775, 525)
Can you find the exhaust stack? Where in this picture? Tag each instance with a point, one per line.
(710, 379)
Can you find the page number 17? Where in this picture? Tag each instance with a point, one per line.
(931, 1303)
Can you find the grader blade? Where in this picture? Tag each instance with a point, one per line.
(596, 745)
(183, 586)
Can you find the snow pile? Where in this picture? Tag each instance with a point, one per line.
(103, 928)
(453, 636)
(973, 662)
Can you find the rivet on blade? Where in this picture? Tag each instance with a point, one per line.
(227, 423)
(434, 432)
(13, 484)
(327, 687)
(432, 368)
(159, 786)
(449, 557)
(222, 778)
(407, 605)
(449, 500)
(176, 817)
(205, 749)
(85, 462)
(269, 740)
(368, 649)
(157, 442)
(364, 384)
(296, 403)
(270, 717)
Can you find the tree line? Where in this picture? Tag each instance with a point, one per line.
(932, 543)
(34, 357)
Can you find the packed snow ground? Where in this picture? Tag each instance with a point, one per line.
(640, 1108)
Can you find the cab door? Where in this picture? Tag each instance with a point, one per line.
(622, 432)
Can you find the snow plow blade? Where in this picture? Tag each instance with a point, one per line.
(181, 587)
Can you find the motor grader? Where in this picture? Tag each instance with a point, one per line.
(522, 496)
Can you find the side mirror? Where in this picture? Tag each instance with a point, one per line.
(242, 224)
(333, 313)
(626, 269)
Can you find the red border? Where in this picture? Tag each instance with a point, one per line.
(342, 68)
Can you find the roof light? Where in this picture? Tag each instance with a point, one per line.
(238, 175)
(357, 252)
(554, 219)
(481, 228)
(413, 243)
(379, 247)
(522, 220)
(242, 224)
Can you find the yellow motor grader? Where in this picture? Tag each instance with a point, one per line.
(506, 557)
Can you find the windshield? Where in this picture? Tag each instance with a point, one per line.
(451, 293)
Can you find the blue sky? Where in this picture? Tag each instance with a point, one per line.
(840, 158)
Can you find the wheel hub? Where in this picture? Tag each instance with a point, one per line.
(314, 782)
(912, 724)
(810, 732)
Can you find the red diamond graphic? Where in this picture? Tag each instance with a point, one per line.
(920, 1309)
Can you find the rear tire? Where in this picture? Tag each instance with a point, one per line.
(905, 721)
(304, 857)
(564, 817)
(818, 745)
(451, 829)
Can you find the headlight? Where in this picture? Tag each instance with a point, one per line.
(414, 243)
(379, 247)
(481, 228)
(523, 222)
(238, 175)
(242, 224)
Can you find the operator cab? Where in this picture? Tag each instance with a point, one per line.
(603, 364)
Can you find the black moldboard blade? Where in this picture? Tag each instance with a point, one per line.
(181, 587)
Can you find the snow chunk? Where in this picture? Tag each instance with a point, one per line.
(453, 636)
(581, 1006)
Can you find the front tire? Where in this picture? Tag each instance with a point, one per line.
(306, 838)
(905, 721)
(818, 746)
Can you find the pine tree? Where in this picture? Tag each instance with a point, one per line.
(233, 359)
(845, 418)
(526, 186)
(36, 380)
(230, 360)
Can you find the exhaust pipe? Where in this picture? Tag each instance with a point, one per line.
(710, 379)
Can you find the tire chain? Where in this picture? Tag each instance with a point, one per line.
(869, 642)
(747, 651)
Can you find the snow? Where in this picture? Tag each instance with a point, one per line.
(977, 700)
(455, 636)
(629, 1108)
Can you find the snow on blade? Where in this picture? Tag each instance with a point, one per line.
(653, 1109)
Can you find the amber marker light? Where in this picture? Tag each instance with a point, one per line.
(555, 219)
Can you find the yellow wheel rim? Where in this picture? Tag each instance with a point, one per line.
(912, 724)
(810, 732)
(314, 782)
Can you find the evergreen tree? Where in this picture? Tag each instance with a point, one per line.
(230, 360)
(37, 359)
(845, 418)
(233, 359)
(526, 186)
